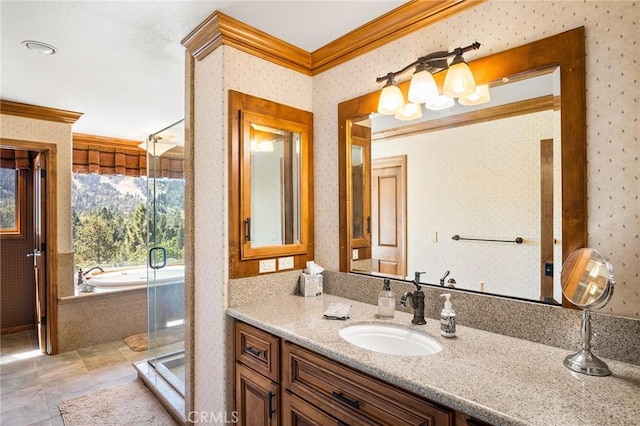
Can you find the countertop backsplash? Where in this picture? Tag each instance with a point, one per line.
(613, 337)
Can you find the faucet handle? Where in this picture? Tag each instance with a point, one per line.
(416, 280)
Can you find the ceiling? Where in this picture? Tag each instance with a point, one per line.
(121, 62)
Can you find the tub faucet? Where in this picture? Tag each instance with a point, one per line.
(95, 267)
(417, 301)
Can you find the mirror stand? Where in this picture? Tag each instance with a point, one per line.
(585, 362)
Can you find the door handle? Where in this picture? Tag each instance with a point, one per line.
(35, 253)
(272, 410)
(161, 265)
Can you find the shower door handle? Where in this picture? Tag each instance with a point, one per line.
(163, 252)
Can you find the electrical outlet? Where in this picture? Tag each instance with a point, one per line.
(285, 263)
(267, 266)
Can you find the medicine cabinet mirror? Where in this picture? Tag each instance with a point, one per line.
(455, 179)
(271, 212)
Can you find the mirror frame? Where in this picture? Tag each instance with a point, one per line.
(248, 265)
(565, 50)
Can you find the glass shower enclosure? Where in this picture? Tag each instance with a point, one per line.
(165, 263)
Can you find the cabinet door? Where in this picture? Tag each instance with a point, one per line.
(256, 398)
(298, 412)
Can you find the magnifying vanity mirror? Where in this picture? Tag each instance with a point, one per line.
(587, 282)
(494, 194)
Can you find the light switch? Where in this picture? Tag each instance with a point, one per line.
(355, 254)
(267, 266)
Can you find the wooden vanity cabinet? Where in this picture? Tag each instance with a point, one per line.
(257, 376)
(280, 383)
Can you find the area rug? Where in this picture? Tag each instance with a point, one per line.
(128, 404)
(137, 342)
(166, 336)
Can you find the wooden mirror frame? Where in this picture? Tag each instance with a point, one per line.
(565, 50)
(249, 265)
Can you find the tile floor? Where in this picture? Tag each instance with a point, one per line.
(32, 385)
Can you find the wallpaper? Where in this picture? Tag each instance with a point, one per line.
(224, 69)
(21, 128)
(478, 181)
(612, 50)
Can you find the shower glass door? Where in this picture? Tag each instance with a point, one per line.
(165, 266)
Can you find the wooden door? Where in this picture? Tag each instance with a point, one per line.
(39, 251)
(389, 215)
(256, 398)
(360, 191)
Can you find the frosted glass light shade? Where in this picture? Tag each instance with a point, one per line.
(480, 96)
(441, 102)
(423, 87)
(459, 80)
(391, 100)
(411, 111)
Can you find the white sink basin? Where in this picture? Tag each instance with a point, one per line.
(390, 340)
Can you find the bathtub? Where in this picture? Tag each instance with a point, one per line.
(134, 278)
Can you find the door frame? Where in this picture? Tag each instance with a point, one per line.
(50, 152)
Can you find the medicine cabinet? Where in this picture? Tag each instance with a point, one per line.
(271, 182)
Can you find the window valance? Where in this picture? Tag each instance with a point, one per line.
(15, 159)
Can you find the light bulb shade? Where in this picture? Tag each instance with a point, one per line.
(480, 96)
(459, 80)
(391, 99)
(423, 87)
(441, 102)
(411, 111)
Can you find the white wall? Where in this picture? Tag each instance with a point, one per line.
(612, 68)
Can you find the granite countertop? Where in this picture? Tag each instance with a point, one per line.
(495, 378)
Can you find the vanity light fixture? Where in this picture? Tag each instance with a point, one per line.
(480, 96)
(459, 81)
(39, 47)
(411, 111)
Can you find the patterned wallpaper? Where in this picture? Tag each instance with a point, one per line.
(225, 69)
(478, 181)
(21, 128)
(612, 68)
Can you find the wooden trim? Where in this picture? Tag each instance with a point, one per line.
(219, 29)
(498, 112)
(38, 112)
(17, 328)
(391, 26)
(83, 138)
(566, 50)
(239, 265)
(51, 157)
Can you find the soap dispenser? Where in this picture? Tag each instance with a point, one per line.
(386, 301)
(447, 318)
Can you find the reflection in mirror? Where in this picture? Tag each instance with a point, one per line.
(587, 281)
(506, 176)
(495, 175)
(275, 186)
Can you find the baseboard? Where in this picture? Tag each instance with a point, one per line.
(17, 328)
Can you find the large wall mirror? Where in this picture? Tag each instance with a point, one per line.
(485, 198)
(270, 201)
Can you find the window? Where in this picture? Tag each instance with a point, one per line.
(12, 203)
(110, 221)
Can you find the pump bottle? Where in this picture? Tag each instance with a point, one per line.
(447, 318)
(386, 301)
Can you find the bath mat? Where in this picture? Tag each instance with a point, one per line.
(137, 342)
(129, 404)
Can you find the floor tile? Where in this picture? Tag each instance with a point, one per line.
(37, 412)
(21, 398)
(19, 379)
(110, 357)
(111, 373)
(67, 388)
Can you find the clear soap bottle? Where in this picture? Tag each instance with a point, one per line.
(386, 301)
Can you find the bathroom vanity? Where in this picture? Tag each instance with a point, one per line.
(292, 367)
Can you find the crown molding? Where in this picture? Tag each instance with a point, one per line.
(83, 138)
(38, 112)
(391, 26)
(219, 29)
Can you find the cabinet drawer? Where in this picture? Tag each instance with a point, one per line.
(258, 350)
(339, 390)
(298, 412)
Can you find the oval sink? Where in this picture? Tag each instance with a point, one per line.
(390, 340)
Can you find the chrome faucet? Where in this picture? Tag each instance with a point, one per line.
(417, 301)
(86, 287)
